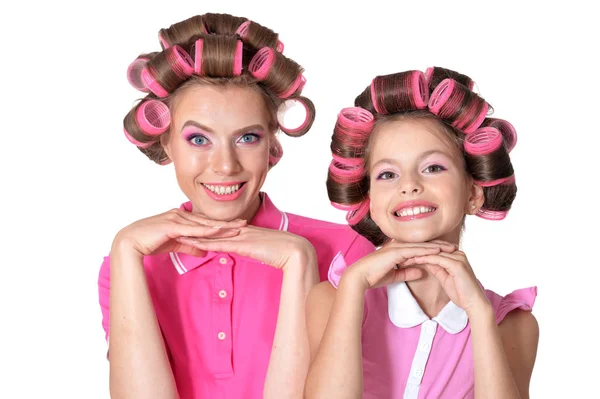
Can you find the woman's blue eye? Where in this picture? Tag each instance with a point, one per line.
(198, 140)
(386, 176)
(249, 138)
(434, 169)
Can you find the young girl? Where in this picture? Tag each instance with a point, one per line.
(410, 161)
(207, 300)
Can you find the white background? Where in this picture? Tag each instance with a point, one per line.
(70, 180)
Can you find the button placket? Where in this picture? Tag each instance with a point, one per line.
(223, 291)
(423, 349)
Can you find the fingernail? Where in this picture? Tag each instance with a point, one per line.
(216, 227)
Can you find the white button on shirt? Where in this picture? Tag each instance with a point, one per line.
(222, 294)
(223, 261)
(221, 336)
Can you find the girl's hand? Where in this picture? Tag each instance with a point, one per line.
(161, 233)
(272, 247)
(386, 265)
(456, 277)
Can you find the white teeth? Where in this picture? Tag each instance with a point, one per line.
(223, 190)
(415, 211)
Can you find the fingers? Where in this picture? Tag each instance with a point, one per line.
(443, 245)
(444, 261)
(199, 231)
(220, 244)
(212, 223)
(407, 274)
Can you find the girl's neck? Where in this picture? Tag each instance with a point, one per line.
(428, 293)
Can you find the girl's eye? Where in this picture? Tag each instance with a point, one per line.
(249, 138)
(198, 140)
(434, 169)
(386, 176)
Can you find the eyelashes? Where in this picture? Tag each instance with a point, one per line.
(200, 140)
(430, 169)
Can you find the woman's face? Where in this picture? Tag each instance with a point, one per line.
(219, 145)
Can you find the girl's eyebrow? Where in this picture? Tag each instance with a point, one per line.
(420, 158)
(209, 130)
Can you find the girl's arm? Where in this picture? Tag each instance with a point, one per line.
(139, 366)
(334, 322)
(503, 356)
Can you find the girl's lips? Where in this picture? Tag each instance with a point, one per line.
(225, 197)
(415, 217)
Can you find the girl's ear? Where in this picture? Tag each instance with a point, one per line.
(476, 199)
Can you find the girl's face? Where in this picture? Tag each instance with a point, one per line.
(419, 190)
(219, 145)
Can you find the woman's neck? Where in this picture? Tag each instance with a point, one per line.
(428, 293)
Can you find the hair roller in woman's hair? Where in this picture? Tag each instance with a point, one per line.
(163, 42)
(134, 74)
(237, 61)
(302, 113)
(136, 142)
(153, 117)
(261, 63)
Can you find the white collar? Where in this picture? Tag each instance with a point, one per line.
(405, 312)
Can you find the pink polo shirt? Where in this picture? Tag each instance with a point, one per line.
(218, 313)
(407, 355)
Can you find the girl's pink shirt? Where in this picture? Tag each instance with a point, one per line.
(218, 313)
(407, 355)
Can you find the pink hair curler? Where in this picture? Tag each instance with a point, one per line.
(483, 141)
(428, 74)
(153, 117)
(477, 122)
(164, 43)
(440, 95)
(506, 129)
(344, 207)
(275, 153)
(280, 46)
(356, 118)
(504, 180)
(261, 63)
(135, 142)
(152, 84)
(180, 61)
(344, 173)
(289, 130)
(237, 60)
(348, 161)
(134, 74)
(419, 89)
(355, 216)
(242, 30)
(491, 215)
(296, 86)
(198, 57)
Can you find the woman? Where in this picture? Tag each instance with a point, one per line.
(207, 300)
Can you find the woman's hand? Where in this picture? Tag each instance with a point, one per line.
(161, 233)
(273, 247)
(387, 265)
(456, 277)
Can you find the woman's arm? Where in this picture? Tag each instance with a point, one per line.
(336, 369)
(139, 366)
(290, 354)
